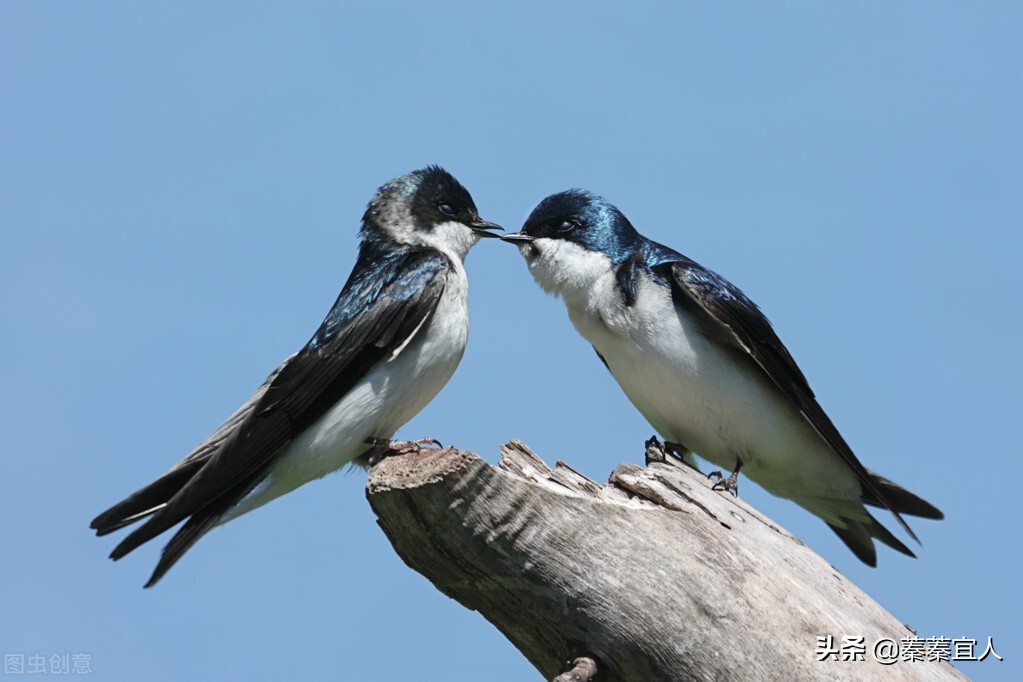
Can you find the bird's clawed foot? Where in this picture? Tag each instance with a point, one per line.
(658, 452)
(730, 484)
(655, 452)
(385, 447)
(679, 452)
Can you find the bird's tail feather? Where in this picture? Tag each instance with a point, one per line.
(859, 536)
(163, 516)
(152, 501)
(197, 526)
(147, 500)
(898, 498)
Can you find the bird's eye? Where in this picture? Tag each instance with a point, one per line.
(446, 209)
(568, 225)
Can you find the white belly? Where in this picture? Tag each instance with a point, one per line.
(706, 397)
(385, 399)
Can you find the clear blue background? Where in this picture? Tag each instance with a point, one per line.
(180, 188)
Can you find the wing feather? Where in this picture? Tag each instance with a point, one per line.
(734, 319)
(377, 313)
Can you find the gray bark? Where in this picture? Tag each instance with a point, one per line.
(654, 576)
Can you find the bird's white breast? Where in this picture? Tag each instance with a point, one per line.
(692, 390)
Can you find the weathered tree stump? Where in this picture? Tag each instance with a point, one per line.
(652, 576)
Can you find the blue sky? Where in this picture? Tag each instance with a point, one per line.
(180, 189)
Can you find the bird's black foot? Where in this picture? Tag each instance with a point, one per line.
(676, 450)
(658, 452)
(655, 452)
(682, 453)
(385, 447)
(730, 484)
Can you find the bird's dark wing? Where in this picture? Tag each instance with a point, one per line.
(153, 497)
(733, 319)
(377, 313)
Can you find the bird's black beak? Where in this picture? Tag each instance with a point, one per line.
(520, 237)
(480, 227)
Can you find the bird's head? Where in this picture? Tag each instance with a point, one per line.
(573, 237)
(427, 207)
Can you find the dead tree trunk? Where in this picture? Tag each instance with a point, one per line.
(653, 576)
